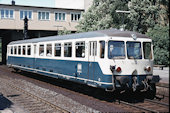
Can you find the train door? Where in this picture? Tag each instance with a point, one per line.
(91, 59)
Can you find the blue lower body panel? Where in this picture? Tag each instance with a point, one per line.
(64, 69)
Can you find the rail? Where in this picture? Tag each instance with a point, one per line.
(38, 98)
(153, 105)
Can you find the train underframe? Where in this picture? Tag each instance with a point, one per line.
(136, 83)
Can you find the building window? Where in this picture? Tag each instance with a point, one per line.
(67, 49)
(25, 13)
(43, 15)
(60, 16)
(75, 17)
(41, 50)
(23, 50)
(57, 50)
(7, 13)
(28, 50)
(19, 50)
(102, 48)
(49, 50)
(80, 49)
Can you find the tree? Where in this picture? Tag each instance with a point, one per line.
(102, 15)
(143, 14)
(160, 36)
(64, 32)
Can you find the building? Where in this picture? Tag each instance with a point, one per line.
(44, 19)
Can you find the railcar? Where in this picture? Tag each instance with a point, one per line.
(109, 59)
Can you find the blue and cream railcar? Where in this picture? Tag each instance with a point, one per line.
(109, 59)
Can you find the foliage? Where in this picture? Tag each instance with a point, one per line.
(102, 15)
(143, 14)
(64, 32)
(160, 36)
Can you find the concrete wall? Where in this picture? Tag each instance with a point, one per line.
(87, 4)
(71, 4)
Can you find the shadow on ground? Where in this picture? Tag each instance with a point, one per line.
(90, 91)
(4, 102)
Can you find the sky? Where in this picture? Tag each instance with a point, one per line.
(43, 3)
(75, 4)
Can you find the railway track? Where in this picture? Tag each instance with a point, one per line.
(148, 106)
(34, 102)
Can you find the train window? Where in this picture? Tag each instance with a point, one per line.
(23, 50)
(147, 50)
(19, 50)
(15, 50)
(41, 50)
(67, 49)
(116, 50)
(134, 50)
(49, 50)
(80, 49)
(102, 49)
(57, 50)
(11, 50)
(93, 48)
(28, 50)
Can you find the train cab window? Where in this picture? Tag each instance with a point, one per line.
(41, 50)
(147, 50)
(23, 50)
(19, 50)
(102, 49)
(134, 50)
(11, 50)
(28, 50)
(116, 50)
(80, 49)
(67, 49)
(15, 50)
(57, 50)
(49, 50)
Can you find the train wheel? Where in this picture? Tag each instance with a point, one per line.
(151, 91)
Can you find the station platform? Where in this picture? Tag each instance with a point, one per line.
(164, 74)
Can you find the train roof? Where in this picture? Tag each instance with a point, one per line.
(92, 34)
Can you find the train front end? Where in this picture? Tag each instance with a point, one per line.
(131, 64)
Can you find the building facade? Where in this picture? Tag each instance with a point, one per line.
(42, 21)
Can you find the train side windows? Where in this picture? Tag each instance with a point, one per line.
(11, 50)
(15, 50)
(57, 50)
(19, 50)
(41, 50)
(49, 50)
(80, 49)
(67, 49)
(23, 50)
(102, 49)
(28, 50)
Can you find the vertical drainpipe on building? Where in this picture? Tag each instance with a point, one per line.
(25, 28)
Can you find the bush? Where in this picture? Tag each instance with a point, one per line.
(160, 37)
